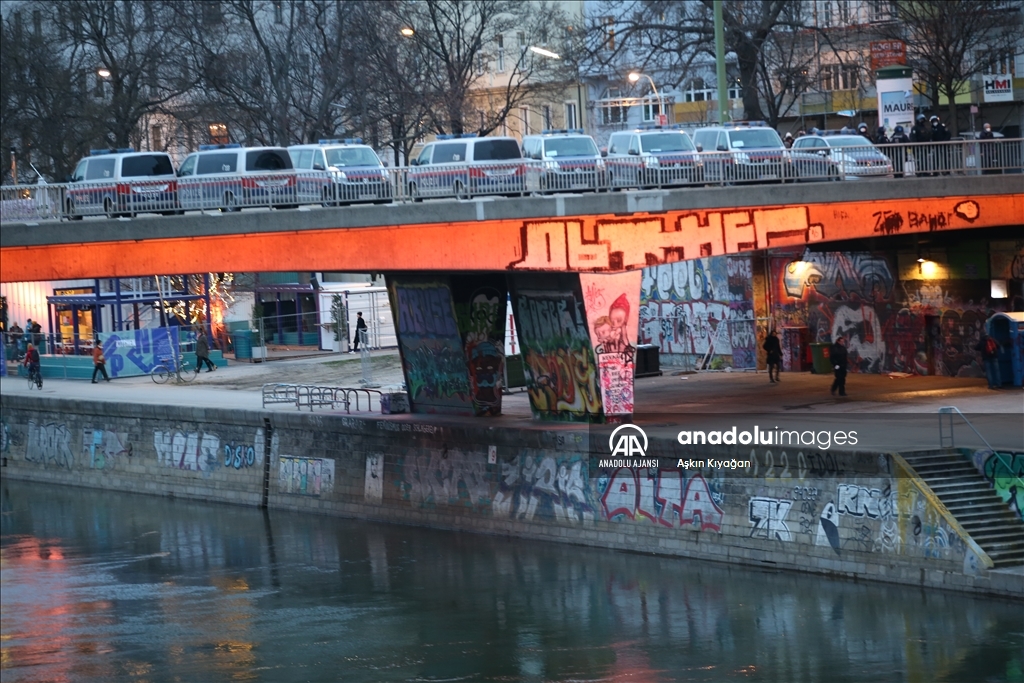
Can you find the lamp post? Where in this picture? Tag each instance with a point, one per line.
(636, 76)
(579, 89)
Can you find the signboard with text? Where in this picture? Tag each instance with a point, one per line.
(887, 52)
(998, 88)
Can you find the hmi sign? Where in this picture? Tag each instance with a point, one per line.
(999, 88)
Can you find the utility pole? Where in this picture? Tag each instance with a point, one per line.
(723, 91)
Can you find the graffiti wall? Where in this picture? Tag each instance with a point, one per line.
(561, 371)
(480, 306)
(136, 352)
(431, 346)
(612, 318)
(1004, 471)
(305, 476)
(103, 449)
(669, 497)
(897, 314)
(684, 304)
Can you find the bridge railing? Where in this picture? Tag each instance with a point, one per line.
(28, 203)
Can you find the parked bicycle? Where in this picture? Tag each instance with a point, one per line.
(171, 367)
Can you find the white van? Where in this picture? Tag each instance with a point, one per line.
(122, 182)
(231, 177)
(339, 172)
(465, 166)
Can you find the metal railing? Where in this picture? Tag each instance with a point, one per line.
(951, 411)
(522, 177)
(312, 396)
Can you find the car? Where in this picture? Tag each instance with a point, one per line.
(654, 156)
(230, 177)
(122, 182)
(748, 152)
(340, 172)
(836, 157)
(465, 165)
(569, 161)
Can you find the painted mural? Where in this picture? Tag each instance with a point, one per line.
(136, 352)
(668, 497)
(562, 374)
(910, 324)
(305, 476)
(684, 304)
(480, 305)
(431, 347)
(1005, 472)
(612, 319)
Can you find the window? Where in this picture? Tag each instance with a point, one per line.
(999, 64)
(226, 162)
(143, 165)
(651, 110)
(501, 53)
(521, 39)
(100, 169)
(496, 150)
(839, 77)
(268, 160)
(218, 134)
(570, 115)
(881, 10)
(98, 90)
(613, 112)
(446, 152)
(524, 115)
(609, 33)
(156, 137)
(480, 63)
(188, 167)
(37, 23)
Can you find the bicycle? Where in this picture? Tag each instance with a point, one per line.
(35, 378)
(168, 368)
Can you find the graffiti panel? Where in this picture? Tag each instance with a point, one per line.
(49, 445)
(536, 485)
(611, 303)
(136, 352)
(305, 476)
(431, 347)
(198, 451)
(668, 497)
(1005, 472)
(480, 306)
(104, 450)
(432, 478)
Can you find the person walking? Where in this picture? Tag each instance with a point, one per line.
(99, 362)
(989, 349)
(788, 140)
(203, 353)
(838, 356)
(774, 349)
(360, 332)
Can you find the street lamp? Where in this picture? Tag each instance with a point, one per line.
(103, 73)
(579, 89)
(407, 31)
(635, 76)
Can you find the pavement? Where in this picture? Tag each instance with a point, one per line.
(887, 413)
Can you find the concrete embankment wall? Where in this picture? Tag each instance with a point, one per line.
(850, 514)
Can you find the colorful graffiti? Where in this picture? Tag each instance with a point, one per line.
(305, 476)
(431, 346)
(197, 451)
(137, 352)
(667, 497)
(444, 477)
(559, 362)
(480, 304)
(682, 306)
(49, 445)
(612, 318)
(1005, 472)
(536, 485)
(104, 448)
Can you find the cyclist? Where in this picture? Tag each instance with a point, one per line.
(32, 363)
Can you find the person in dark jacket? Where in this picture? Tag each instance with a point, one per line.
(203, 353)
(922, 156)
(774, 349)
(899, 155)
(989, 349)
(837, 354)
(862, 130)
(360, 332)
(941, 153)
(989, 156)
(880, 137)
(919, 132)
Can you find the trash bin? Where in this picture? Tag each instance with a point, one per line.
(648, 361)
(821, 364)
(515, 374)
(242, 341)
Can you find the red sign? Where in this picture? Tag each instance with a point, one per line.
(662, 119)
(887, 53)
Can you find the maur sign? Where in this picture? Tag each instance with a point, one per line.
(998, 88)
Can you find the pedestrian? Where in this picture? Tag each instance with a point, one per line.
(99, 362)
(37, 333)
(989, 349)
(862, 129)
(16, 334)
(788, 140)
(880, 136)
(32, 360)
(360, 332)
(919, 134)
(989, 156)
(899, 154)
(203, 352)
(837, 354)
(774, 349)
(942, 152)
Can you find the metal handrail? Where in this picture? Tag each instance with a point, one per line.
(312, 395)
(950, 410)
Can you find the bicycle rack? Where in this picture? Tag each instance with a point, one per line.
(312, 396)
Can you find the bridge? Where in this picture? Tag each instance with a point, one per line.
(572, 265)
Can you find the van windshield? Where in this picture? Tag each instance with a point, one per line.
(268, 160)
(146, 165)
(496, 150)
(757, 139)
(351, 156)
(570, 147)
(666, 142)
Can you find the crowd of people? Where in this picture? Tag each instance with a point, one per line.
(923, 130)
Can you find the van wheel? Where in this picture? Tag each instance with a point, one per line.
(327, 199)
(69, 209)
(414, 193)
(230, 204)
(460, 190)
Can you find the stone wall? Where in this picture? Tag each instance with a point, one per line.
(846, 514)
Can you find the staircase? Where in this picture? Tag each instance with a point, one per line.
(973, 502)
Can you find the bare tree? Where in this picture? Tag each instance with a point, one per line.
(474, 58)
(949, 42)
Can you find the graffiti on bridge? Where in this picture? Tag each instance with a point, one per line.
(668, 497)
(1004, 471)
(480, 313)
(612, 318)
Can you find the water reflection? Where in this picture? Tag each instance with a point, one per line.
(113, 587)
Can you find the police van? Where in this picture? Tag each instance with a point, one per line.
(231, 177)
(569, 161)
(340, 172)
(122, 182)
(653, 156)
(465, 165)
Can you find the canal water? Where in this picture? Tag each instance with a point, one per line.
(100, 586)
